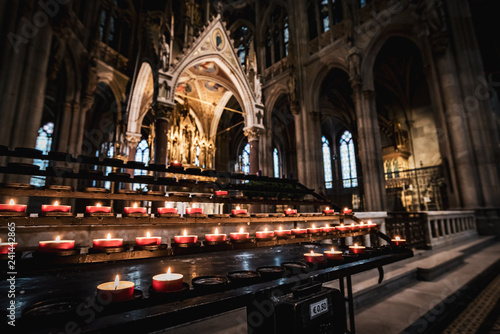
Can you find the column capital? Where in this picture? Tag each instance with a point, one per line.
(369, 94)
(253, 133)
(162, 110)
(133, 138)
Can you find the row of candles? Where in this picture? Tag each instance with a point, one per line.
(62, 245)
(98, 208)
(172, 282)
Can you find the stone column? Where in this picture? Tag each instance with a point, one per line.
(161, 140)
(369, 148)
(133, 140)
(253, 135)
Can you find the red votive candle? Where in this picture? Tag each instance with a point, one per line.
(191, 211)
(185, 238)
(347, 210)
(216, 237)
(264, 234)
(98, 209)
(134, 209)
(328, 211)
(342, 228)
(167, 282)
(121, 291)
(327, 228)
(6, 247)
(56, 245)
(290, 212)
(56, 208)
(148, 240)
(239, 235)
(175, 164)
(357, 249)
(313, 229)
(334, 255)
(282, 233)
(107, 243)
(313, 257)
(296, 231)
(167, 210)
(12, 207)
(398, 241)
(353, 227)
(239, 211)
(370, 224)
(220, 193)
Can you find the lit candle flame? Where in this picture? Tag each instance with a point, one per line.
(281, 229)
(149, 235)
(12, 202)
(56, 203)
(135, 205)
(241, 230)
(361, 223)
(345, 209)
(313, 226)
(169, 272)
(58, 239)
(355, 245)
(327, 225)
(327, 208)
(237, 208)
(193, 206)
(352, 225)
(175, 161)
(312, 253)
(185, 233)
(216, 230)
(265, 230)
(333, 250)
(109, 236)
(397, 238)
(341, 225)
(117, 282)
(98, 205)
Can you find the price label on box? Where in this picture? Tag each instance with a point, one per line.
(318, 308)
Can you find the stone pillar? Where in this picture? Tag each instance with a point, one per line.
(161, 140)
(253, 135)
(457, 132)
(369, 148)
(133, 140)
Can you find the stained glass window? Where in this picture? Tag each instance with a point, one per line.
(142, 155)
(245, 159)
(276, 163)
(348, 161)
(327, 163)
(111, 153)
(197, 158)
(325, 15)
(43, 143)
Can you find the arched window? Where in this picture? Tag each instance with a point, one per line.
(276, 163)
(142, 155)
(327, 163)
(43, 143)
(245, 159)
(348, 160)
(242, 37)
(197, 158)
(277, 37)
(111, 153)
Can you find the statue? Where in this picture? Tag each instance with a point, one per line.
(432, 15)
(164, 54)
(354, 64)
(258, 89)
(292, 89)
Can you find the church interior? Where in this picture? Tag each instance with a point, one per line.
(250, 166)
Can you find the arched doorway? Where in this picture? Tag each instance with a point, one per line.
(410, 145)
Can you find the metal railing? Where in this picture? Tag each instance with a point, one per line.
(421, 189)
